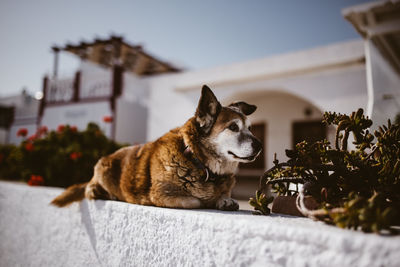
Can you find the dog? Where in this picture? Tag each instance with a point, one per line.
(190, 167)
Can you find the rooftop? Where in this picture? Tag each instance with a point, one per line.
(380, 22)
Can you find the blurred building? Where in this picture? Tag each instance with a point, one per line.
(16, 112)
(379, 25)
(146, 97)
(109, 70)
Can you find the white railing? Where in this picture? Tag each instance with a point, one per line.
(96, 81)
(95, 86)
(60, 90)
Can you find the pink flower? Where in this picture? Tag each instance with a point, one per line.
(22, 132)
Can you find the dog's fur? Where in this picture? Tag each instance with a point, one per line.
(191, 166)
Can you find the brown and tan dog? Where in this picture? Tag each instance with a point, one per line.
(191, 166)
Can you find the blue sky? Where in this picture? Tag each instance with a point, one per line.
(194, 34)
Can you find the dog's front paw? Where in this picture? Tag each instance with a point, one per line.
(227, 204)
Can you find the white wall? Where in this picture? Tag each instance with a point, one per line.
(282, 65)
(12, 134)
(78, 114)
(112, 233)
(132, 110)
(278, 111)
(131, 122)
(383, 85)
(168, 107)
(341, 89)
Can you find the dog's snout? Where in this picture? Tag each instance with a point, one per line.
(257, 145)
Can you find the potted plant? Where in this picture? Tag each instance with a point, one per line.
(358, 189)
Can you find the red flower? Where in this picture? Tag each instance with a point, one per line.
(108, 119)
(75, 155)
(74, 129)
(22, 132)
(32, 137)
(60, 128)
(43, 130)
(29, 147)
(36, 180)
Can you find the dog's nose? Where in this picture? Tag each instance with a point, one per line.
(257, 145)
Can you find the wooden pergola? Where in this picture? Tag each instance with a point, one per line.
(115, 51)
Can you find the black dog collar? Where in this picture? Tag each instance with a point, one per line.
(210, 176)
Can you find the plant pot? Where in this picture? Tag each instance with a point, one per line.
(287, 205)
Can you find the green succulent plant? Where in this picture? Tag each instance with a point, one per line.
(357, 189)
(260, 203)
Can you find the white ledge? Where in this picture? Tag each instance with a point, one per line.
(109, 233)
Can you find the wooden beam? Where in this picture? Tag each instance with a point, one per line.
(384, 28)
(392, 56)
(55, 63)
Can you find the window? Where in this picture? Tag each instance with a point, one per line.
(310, 131)
(6, 117)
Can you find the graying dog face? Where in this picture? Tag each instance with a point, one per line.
(232, 137)
(227, 128)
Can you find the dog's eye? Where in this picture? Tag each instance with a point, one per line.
(234, 127)
(249, 128)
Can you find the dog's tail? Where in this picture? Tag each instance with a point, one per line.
(73, 193)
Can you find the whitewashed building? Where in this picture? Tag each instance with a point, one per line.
(16, 112)
(108, 70)
(147, 97)
(379, 25)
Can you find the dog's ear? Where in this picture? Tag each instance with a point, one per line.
(245, 108)
(207, 110)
